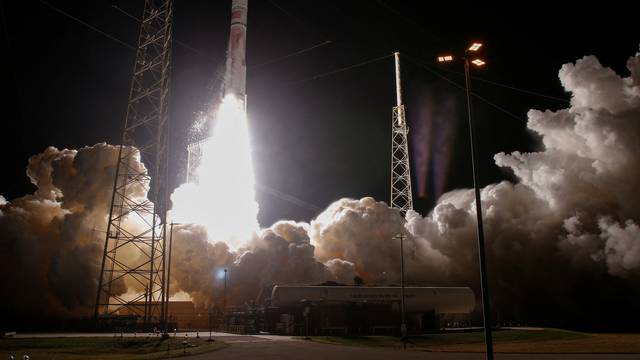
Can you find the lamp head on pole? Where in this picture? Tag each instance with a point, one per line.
(475, 46)
(445, 58)
(474, 54)
(478, 62)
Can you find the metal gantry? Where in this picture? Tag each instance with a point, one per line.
(134, 251)
(401, 197)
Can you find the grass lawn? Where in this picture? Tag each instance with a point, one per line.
(507, 341)
(108, 348)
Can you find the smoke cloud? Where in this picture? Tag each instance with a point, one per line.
(563, 242)
(50, 251)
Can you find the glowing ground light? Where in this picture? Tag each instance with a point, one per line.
(223, 199)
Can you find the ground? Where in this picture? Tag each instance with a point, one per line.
(109, 348)
(517, 344)
(308, 350)
(532, 340)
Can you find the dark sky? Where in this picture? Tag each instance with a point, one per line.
(316, 139)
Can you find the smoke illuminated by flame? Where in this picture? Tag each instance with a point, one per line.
(223, 196)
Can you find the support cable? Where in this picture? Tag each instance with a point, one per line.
(87, 25)
(434, 72)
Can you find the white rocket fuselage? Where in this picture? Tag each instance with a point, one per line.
(236, 73)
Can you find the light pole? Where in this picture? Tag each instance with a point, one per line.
(168, 280)
(403, 326)
(210, 339)
(403, 323)
(224, 300)
(471, 56)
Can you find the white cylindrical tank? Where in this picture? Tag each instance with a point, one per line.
(442, 300)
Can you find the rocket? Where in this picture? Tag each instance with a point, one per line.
(236, 73)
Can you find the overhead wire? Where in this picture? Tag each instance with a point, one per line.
(288, 197)
(177, 41)
(301, 23)
(296, 53)
(412, 22)
(336, 71)
(525, 91)
(87, 25)
(511, 87)
(436, 73)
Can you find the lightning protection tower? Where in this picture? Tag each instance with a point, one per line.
(134, 251)
(400, 169)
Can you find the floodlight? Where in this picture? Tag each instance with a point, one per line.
(475, 46)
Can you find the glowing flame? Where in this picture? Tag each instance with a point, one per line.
(223, 198)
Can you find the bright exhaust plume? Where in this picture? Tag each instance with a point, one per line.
(222, 195)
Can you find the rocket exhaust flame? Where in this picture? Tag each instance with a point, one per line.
(223, 198)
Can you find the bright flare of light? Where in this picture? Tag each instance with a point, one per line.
(223, 196)
(475, 46)
(220, 274)
(478, 62)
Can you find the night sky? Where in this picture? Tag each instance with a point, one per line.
(316, 136)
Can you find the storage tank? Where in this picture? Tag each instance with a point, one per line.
(441, 300)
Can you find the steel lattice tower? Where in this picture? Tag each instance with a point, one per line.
(401, 197)
(134, 251)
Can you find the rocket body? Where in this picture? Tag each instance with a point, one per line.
(236, 72)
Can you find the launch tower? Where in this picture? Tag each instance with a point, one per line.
(134, 250)
(401, 197)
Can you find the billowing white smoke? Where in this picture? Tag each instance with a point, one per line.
(279, 254)
(562, 241)
(361, 232)
(50, 245)
(589, 173)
